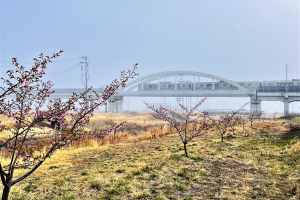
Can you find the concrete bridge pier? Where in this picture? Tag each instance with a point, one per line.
(111, 108)
(255, 105)
(116, 107)
(286, 108)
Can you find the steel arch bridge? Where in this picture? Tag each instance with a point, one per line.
(236, 89)
(156, 76)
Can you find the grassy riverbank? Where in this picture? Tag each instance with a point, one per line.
(264, 165)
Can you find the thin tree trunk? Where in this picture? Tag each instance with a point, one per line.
(5, 193)
(52, 124)
(222, 137)
(184, 144)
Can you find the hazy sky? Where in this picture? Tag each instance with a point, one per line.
(234, 39)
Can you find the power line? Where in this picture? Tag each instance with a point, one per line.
(57, 73)
(33, 61)
(236, 72)
(63, 71)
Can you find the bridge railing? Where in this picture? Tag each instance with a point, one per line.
(295, 88)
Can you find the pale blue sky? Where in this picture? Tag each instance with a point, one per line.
(234, 39)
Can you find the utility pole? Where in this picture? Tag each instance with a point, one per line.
(86, 66)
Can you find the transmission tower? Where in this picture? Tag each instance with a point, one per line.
(85, 69)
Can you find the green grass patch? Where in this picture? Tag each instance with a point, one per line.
(153, 176)
(203, 173)
(180, 187)
(197, 158)
(30, 187)
(83, 173)
(120, 171)
(136, 173)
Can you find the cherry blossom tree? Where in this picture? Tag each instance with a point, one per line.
(190, 125)
(243, 120)
(252, 116)
(225, 121)
(235, 120)
(22, 154)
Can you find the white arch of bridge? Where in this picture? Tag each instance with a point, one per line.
(156, 76)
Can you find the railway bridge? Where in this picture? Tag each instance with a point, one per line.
(155, 85)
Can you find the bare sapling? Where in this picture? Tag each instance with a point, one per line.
(190, 125)
(225, 121)
(235, 121)
(30, 157)
(243, 120)
(252, 116)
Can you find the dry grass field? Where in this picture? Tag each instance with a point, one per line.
(146, 160)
